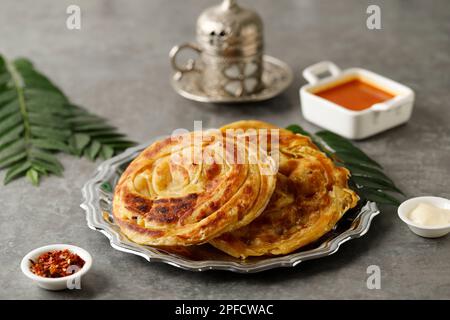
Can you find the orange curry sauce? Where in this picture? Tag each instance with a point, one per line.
(355, 95)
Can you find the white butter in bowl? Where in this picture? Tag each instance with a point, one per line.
(426, 216)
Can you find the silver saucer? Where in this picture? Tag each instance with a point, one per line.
(276, 77)
(98, 194)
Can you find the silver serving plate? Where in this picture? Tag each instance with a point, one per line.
(98, 194)
(276, 77)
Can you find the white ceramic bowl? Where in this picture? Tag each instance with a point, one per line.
(428, 232)
(56, 283)
(345, 122)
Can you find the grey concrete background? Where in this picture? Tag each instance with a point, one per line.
(117, 66)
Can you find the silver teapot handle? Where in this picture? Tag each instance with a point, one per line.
(190, 65)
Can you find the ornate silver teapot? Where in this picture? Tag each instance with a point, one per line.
(230, 47)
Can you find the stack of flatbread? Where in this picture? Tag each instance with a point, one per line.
(248, 189)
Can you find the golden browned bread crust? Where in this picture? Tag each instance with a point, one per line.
(310, 197)
(167, 197)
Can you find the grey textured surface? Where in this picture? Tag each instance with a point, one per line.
(117, 66)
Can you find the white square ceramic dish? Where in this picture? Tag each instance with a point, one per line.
(345, 122)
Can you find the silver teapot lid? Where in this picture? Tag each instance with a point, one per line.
(230, 30)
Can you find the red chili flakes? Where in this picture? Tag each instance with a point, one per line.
(55, 264)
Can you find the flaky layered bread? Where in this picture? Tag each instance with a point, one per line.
(310, 197)
(168, 196)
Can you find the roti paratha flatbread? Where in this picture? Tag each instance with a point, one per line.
(167, 198)
(310, 197)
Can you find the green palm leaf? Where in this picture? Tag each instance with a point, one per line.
(37, 121)
(94, 137)
(367, 177)
(23, 127)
